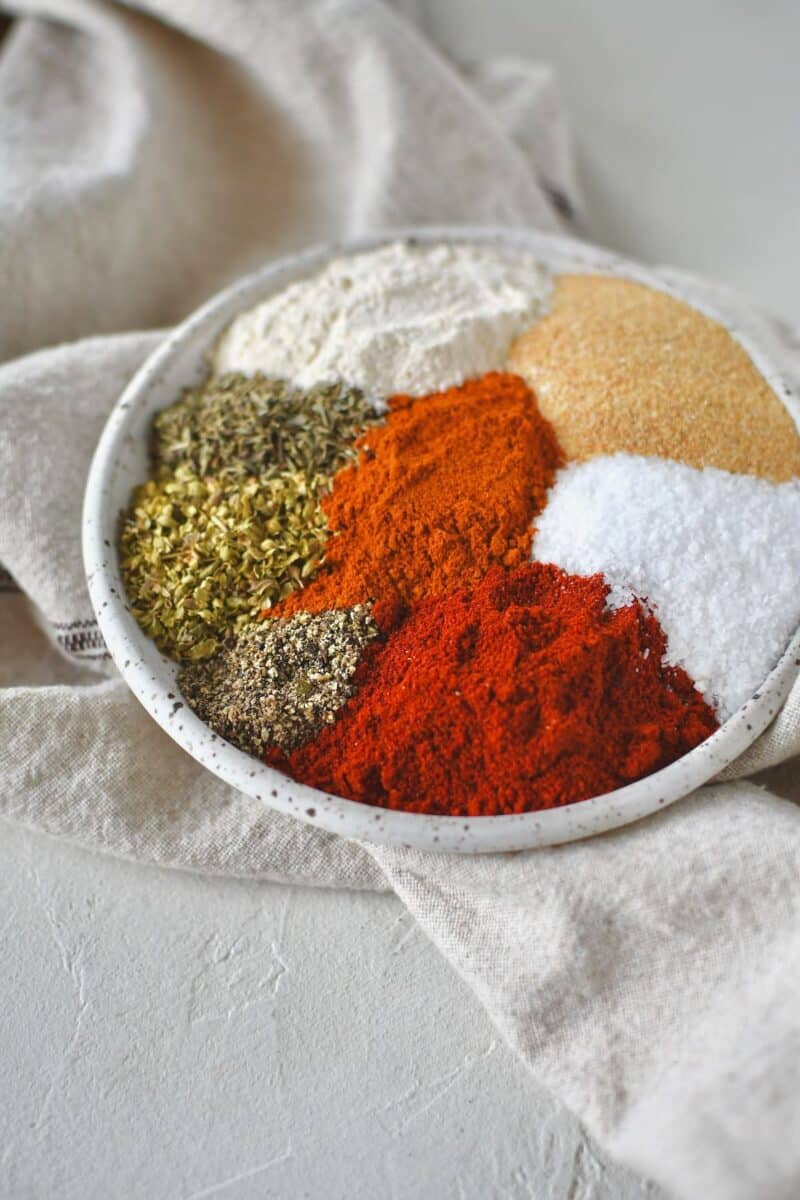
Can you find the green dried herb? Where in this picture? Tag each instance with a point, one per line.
(201, 557)
(232, 521)
(235, 426)
(281, 680)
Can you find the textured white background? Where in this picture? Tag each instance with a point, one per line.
(168, 1036)
(685, 116)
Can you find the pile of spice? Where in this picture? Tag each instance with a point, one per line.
(526, 691)
(619, 366)
(447, 487)
(232, 522)
(406, 317)
(280, 681)
(420, 543)
(716, 556)
(235, 426)
(203, 557)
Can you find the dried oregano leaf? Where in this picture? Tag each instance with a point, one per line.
(201, 557)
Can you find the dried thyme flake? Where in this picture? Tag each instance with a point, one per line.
(202, 557)
(235, 426)
(281, 680)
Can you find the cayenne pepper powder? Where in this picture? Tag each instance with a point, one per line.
(446, 488)
(525, 692)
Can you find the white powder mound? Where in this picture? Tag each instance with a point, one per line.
(716, 556)
(403, 318)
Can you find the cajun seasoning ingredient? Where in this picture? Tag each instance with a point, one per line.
(402, 318)
(280, 681)
(235, 426)
(617, 366)
(232, 523)
(447, 487)
(716, 555)
(524, 693)
(201, 557)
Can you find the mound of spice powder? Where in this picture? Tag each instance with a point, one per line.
(448, 487)
(523, 693)
(620, 366)
(717, 556)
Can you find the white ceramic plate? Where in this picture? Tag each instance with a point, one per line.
(121, 462)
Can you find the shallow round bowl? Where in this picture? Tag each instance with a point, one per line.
(121, 462)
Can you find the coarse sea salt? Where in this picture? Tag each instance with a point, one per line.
(715, 555)
(403, 318)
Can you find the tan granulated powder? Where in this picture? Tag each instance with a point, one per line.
(617, 366)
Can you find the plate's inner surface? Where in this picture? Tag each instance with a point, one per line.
(445, 530)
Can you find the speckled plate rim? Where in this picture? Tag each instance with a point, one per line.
(120, 462)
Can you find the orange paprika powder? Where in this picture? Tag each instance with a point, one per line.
(446, 488)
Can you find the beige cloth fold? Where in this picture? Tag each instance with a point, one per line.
(650, 977)
(647, 976)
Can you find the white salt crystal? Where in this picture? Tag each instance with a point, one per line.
(402, 318)
(715, 555)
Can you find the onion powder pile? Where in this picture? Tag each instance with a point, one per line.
(405, 318)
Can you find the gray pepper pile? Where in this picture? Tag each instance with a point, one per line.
(281, 679)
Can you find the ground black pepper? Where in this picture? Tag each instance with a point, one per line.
(281, 680)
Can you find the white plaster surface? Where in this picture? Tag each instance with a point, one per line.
(169, 1036)
(166, 1036)
(685, 118)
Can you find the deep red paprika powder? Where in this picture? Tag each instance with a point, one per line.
(523, 692)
